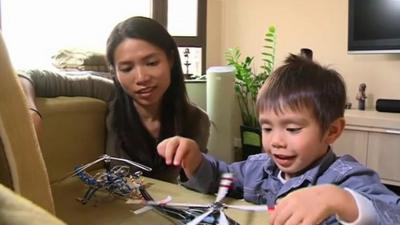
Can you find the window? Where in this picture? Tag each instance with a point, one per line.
(181, 19)
(40, 33)
(48, 26)
(186, 21)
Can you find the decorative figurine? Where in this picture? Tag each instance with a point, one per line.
(186, 54)
(306, 53)
(348, 105)
(361, 96)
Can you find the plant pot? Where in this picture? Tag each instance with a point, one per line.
(251, 141)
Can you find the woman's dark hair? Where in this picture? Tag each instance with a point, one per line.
(175, 103)
(304, 84)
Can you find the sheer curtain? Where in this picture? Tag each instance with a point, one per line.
(36, 30)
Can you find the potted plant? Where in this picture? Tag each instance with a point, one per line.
(247, 84)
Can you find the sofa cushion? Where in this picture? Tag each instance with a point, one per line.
(73, 132)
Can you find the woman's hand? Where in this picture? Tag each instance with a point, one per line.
(312, 205)
(180, 151)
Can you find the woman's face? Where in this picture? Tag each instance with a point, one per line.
(143, 70)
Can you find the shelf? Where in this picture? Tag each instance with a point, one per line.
(372, 119)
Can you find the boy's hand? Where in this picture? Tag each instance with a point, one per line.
(181, 151)
(313, 205)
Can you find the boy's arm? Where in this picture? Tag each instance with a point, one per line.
(313, 205)
(366, 183)
(361, 182)
(202, 170)
(366, 211)
(205, 180)
(180, 151)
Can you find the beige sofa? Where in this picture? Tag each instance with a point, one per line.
(73, 133)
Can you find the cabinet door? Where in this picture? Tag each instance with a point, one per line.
(384, 156)
(354, 143)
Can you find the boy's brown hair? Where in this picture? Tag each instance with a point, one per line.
(304, 84)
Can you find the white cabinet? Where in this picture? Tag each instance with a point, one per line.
(373, 138)
(384, 156)
(353, 142)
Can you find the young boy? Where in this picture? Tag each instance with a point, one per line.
(301, 109)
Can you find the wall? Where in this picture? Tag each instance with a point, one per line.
(315, 24)
(319, 25)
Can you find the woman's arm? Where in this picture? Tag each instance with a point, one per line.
(51, 84)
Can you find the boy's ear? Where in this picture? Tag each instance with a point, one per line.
(335, 130)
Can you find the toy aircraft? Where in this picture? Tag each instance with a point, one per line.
(117, 180)
(192, 214)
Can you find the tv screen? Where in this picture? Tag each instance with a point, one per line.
(374, 26)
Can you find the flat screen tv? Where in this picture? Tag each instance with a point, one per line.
(374, 26)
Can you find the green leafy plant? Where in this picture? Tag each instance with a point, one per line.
(248, 82)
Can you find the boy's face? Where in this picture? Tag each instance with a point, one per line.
(292, 139)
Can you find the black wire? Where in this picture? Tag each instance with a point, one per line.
(184, 216)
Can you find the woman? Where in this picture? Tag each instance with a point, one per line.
(147, 98)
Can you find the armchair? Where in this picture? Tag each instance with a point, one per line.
(26, 171)
(22, 166)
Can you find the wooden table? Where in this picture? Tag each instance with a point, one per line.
(104, 209)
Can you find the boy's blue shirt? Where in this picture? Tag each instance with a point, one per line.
(256, 181)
